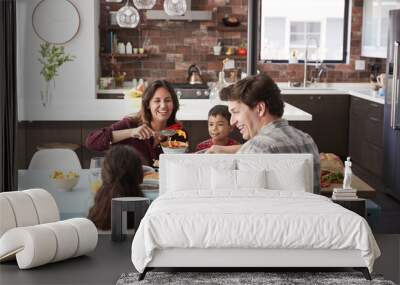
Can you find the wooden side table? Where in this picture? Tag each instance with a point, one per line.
(363, 189)
(119, 208)
(356, 205)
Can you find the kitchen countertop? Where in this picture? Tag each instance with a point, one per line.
(360, 90)
(190, 110)
(114, 110)
(196, 110)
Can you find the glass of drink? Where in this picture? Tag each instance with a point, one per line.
(95, 181)
(96, 162)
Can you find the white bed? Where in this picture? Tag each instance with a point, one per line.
(247, 211)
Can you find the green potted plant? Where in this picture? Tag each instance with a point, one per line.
(52, 57)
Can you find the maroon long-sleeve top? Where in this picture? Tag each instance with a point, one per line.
(101, 140)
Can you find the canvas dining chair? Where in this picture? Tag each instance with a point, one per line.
(55, 158)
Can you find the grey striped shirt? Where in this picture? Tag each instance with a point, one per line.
(279, 137)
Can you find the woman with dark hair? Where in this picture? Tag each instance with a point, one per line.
(122, 174)
(158, 112)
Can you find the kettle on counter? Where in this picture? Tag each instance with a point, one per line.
(194, 75)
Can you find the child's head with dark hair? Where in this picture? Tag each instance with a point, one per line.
(219, 126)
(220, 110)
(122, 173)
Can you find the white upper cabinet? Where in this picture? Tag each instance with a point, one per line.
(375, 26)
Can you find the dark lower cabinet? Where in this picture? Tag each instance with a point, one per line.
(33, 134)
(329, 125)
(358, 206)
(347, 126)
(366, 140)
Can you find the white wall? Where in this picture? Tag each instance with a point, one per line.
(75, 90)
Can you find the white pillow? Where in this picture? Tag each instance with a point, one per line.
(251, 178)
(193, 176)
(288, 174)
(223, 179)
(292, 179)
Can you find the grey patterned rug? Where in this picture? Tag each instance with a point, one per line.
(243, 278)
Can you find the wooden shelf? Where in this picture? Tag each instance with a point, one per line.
(114, 27)
(138, 28)
(117, 55)
(235, 57)
(239, 28)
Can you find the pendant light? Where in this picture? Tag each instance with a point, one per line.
(175, 7)
(144, 4)
(128, 16)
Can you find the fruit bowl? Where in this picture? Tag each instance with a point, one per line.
(174, 147)
(65, 181)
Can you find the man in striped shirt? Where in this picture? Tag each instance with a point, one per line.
(257, 108)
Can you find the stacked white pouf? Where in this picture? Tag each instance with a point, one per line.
(31, 232)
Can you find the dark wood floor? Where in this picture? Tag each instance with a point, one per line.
(389, 220)
(103, 266)
(110, 260)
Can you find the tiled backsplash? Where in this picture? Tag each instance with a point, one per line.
(175, 45)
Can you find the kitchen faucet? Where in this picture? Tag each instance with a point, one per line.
(320, 69)
(305, 64)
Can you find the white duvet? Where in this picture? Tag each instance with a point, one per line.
(256, 218)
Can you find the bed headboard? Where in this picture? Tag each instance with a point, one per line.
(284, 171)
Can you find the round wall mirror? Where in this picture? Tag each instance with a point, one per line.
(55, 21)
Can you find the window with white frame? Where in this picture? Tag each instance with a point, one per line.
(294, 28)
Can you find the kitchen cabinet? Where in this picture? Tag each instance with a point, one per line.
(375, 26)
(347, 126)
(329, 125)
(366, 139)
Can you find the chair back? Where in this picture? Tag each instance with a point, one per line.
(55, 159)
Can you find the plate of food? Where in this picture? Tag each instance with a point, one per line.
(174, 147)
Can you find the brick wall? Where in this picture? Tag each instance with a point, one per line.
(174, 45)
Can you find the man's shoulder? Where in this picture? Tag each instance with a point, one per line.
(285, 131)
(257, 144)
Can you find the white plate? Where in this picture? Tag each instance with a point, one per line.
(153, 188)
(150, 182)
(147, 169)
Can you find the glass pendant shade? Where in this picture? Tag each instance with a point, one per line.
(144, 4)
(175, 7)
(128, 16)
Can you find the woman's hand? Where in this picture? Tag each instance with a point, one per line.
(142, 132)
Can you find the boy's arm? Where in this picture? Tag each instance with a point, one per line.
(224, 149)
